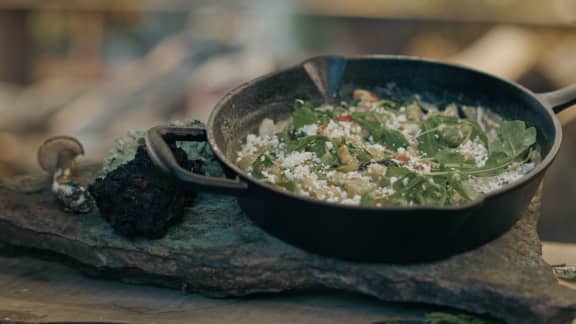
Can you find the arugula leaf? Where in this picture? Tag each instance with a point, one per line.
(513, 141)
(315, 144)
(367, 200)
(453, 160)
(429, 139)
(360, 153)
(420, 189)
(262, 162)
(496, 159)
(463, 189)
(369, 120)
(477, 132)
(440, 131)
(391, 138)
(330, 159)
(303, 114)
(513, 138)
(323, 117)
(339, 110)
(413, 99)
(388, 137)
(385, 103)
(454, 135)
(396, 171)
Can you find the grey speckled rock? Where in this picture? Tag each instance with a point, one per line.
(216, 251)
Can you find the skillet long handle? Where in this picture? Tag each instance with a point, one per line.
(560, 99)
(158, 141)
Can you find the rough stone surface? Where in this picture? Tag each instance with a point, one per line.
(217, 251)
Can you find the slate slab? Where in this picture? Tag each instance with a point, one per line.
(216, 251)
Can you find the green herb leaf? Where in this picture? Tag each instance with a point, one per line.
(360, 153)
(315, 144)
(390, 138)
(462, 188)
(429, 140)
(454, 135)
(303, 114)
(396, 171)
(413, 99)
(370, 120)
(496, 159)
(477, 132)
(262, 162)
(385, 103)
(420, 189)
(453, 160)
(513, 138)
(367, 200)
(441, 131)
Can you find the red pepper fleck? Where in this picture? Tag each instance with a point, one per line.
(322, 127)
(403, 158)
(344, 118)
(420, 167)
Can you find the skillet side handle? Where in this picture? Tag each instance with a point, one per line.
(560, 99)
(158, 141)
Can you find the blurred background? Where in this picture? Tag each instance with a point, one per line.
(97, 68)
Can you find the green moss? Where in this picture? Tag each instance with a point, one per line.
(125, 149)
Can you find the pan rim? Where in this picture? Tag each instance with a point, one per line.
(539, 168)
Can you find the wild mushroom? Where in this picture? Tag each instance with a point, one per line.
(57, 156)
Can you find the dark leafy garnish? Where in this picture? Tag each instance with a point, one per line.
(303, 114)
(441, 131)
(367, 200)
(315, 144)
(420, 189)
(453, 160)
(361, 154)
(513, 145)
(388, 137)
(262, 162)
(513, 138)
(389, 104)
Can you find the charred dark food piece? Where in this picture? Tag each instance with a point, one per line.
(138, 201)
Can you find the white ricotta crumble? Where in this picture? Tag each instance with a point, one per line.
(474, 149)
(309, 130)
(295, 158)
(487, 184)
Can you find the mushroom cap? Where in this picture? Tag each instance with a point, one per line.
(56, 151)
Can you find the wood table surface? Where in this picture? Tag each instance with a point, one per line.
(41, 291)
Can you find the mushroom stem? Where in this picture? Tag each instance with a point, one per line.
(66, 167)
(57, 156)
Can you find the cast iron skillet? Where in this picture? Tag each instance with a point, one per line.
(393, 234)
